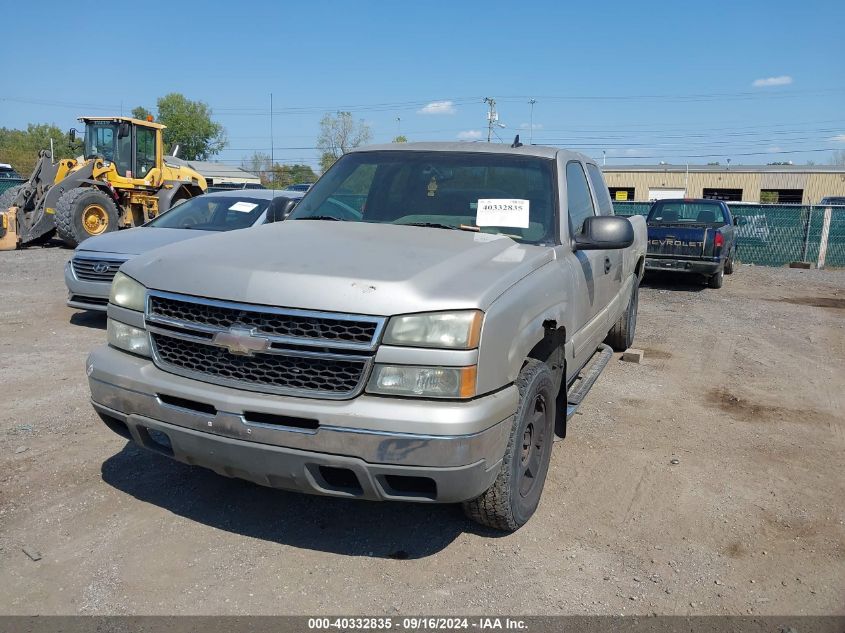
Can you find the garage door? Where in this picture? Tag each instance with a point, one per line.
(664, 194)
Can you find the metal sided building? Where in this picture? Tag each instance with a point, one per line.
(773, 184)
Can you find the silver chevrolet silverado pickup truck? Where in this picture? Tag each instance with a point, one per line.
(419, 329)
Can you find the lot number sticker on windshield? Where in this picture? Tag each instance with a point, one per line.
(243, 207)
(502, 212)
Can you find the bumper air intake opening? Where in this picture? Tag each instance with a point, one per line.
(116, 425)
(405, 486)
(155, 440)
(340, 479)
(190, 405)
(254, 417)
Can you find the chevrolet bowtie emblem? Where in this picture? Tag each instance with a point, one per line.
(241, 341)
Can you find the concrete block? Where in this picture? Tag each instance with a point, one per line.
(632, 355)
(804, 265)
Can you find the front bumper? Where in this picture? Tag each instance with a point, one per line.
(370, 447)
(86, 295)
(683, 265)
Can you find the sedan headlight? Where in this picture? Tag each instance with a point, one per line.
(127, 293)
(128, 338)
(451, 330)
(423, 382)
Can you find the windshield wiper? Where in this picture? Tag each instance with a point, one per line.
(320, 217)
(437, 225)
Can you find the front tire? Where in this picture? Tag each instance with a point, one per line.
(515, 494)
(621, 335)
(85, 212)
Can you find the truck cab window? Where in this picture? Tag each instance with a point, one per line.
(601, 192)
(579, 199)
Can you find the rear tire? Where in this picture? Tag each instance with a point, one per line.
(729, 263)
(85, 212)
(515, 494)
(621, 335)
(715, 281)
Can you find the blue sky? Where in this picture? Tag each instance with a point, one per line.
(642, 82)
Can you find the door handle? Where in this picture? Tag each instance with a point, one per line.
(606, 265)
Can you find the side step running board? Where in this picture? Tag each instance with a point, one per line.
(587, 378)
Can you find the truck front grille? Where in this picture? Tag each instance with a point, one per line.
(288, 324)
(280, 372)
(87, 269)
(262, 348)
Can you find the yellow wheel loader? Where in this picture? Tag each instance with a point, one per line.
(122, 179)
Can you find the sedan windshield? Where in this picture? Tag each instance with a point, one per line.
(212, 213)
(473, 191)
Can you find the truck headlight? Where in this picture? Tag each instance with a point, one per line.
(127, 293)
(452, 330)
(128, 338)
(423, 382)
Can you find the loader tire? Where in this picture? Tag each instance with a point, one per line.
(8, 197)
(85, 212)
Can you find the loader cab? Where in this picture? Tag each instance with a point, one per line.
(132, 145)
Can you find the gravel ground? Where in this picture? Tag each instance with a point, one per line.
(743, 386)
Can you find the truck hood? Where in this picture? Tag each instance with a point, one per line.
(136, 241)
(353, 267)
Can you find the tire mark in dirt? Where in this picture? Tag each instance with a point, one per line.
(748, 411)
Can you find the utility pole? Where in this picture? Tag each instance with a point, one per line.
(531, 102)
(398, 126)
(492, 117)
(272, 152)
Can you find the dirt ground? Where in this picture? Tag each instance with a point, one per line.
(745, 386)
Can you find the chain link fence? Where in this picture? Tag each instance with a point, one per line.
(8, 183)
(777, 234)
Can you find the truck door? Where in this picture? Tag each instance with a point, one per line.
(587, 268)
(612, 281)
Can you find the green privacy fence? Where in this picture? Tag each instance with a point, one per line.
(8, 183)
(776, 234)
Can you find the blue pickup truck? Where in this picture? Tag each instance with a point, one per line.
(692, 236)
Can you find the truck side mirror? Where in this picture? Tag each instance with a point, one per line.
(71, 135)
(123, 130)
(280, 209)
(604, 232)
(740, 221)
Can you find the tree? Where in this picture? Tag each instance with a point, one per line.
(258, 164)
(339, 134)
(141, 113)
(286, 175)
(20, 147)
(189, 125)
(838, 157)
(400, 139)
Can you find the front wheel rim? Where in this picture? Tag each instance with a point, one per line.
(533, 447)
(95, 220)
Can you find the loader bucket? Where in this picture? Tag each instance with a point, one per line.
(9, 229)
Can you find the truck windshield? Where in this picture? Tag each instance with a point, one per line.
(680, 211)
(212, 213)
(504, 194)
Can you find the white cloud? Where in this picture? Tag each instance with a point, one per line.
(528, 126)
(774, 149)
(839, 138)
(469, 135)
(782, 80)
(438, 107)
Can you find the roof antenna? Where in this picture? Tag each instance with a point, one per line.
(516, 142)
